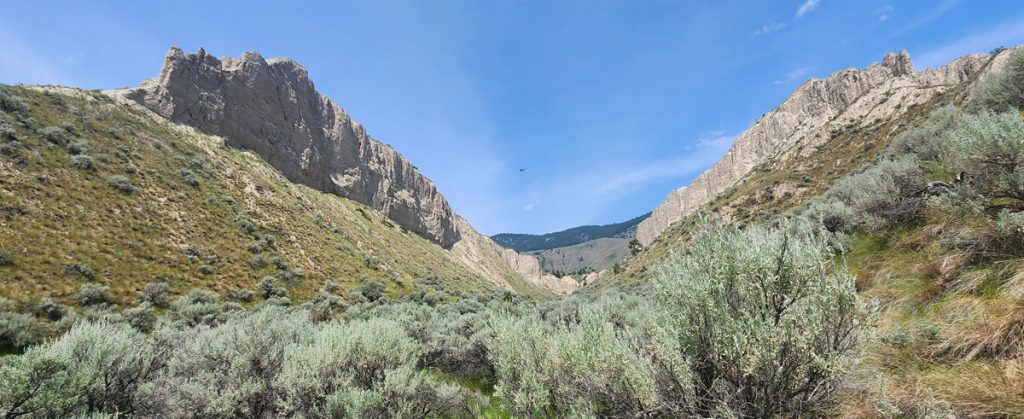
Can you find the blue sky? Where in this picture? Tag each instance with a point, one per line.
(607, 105)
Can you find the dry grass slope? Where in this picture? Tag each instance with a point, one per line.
(95, 191)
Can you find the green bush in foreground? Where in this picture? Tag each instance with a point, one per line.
(752, 323)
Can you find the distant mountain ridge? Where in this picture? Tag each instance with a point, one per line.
(569, 237)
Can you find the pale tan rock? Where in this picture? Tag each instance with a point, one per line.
(847, 98)
(272, 108)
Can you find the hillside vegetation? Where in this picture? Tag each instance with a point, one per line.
(93, 191)
(570, 237)
(891, 287)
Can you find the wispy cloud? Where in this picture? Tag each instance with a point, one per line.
(884, 12)
(769, 28)
(585, 196)
(708, 148)
(1008, 33)
(806, 7)
(772, 26)
(926, 18)
(796, 74)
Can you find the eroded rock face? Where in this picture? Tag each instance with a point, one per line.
(272, 108)
(847, 98)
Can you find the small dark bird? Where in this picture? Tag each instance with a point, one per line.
(522, 170)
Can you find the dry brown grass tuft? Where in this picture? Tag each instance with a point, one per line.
(982, 328)
(981, 390)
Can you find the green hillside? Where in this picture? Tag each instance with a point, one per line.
(95, 191)
(569, 237)
(880, 275)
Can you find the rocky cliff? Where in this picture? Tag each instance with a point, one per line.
(846, 99)
(272, 108)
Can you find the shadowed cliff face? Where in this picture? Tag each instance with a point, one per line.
(847, 98)
(272, 108)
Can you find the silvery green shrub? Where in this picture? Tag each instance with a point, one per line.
(94, 367)
(155, 293)
(18, 330)
(765, 318)
(359, 369)
(1004, 90)
(886, 192)
(588, 368)
(240, 359)
(926, 140)
(990, 148)
(91, 293)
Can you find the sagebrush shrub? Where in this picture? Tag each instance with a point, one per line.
(766, 317)
(1003, 90)
(268, 288)
(990, 148)
(122, 183)
(79, 146)
(890, 191)
(53, 134)
(91, 293)
(155, 293)
(94, 367)
(241, 295)
(83, 161)
(11, 102)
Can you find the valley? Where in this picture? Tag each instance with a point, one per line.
(857, 252)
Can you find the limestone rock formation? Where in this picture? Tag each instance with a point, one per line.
(272, 108)
(847, 98)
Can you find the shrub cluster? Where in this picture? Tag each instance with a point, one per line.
(1004, 90)
(741, 316)
(754, 323)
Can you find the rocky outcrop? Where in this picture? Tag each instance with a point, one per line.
(846, 99)
(478, 251)
(272, 108)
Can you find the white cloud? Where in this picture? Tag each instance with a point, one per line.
(585, 196)
(708, 149)
(796, 74)
(884, 12)
(769, 28)
(806, 7)
(528, 207)
(1008, 33)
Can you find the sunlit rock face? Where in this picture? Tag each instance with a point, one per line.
(272, 108)
(847, 98)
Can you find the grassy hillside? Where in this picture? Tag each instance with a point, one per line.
(590, 256)
(942, 262)
(887, 288)
(778, 186)
(570, 237)
(95, 191)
